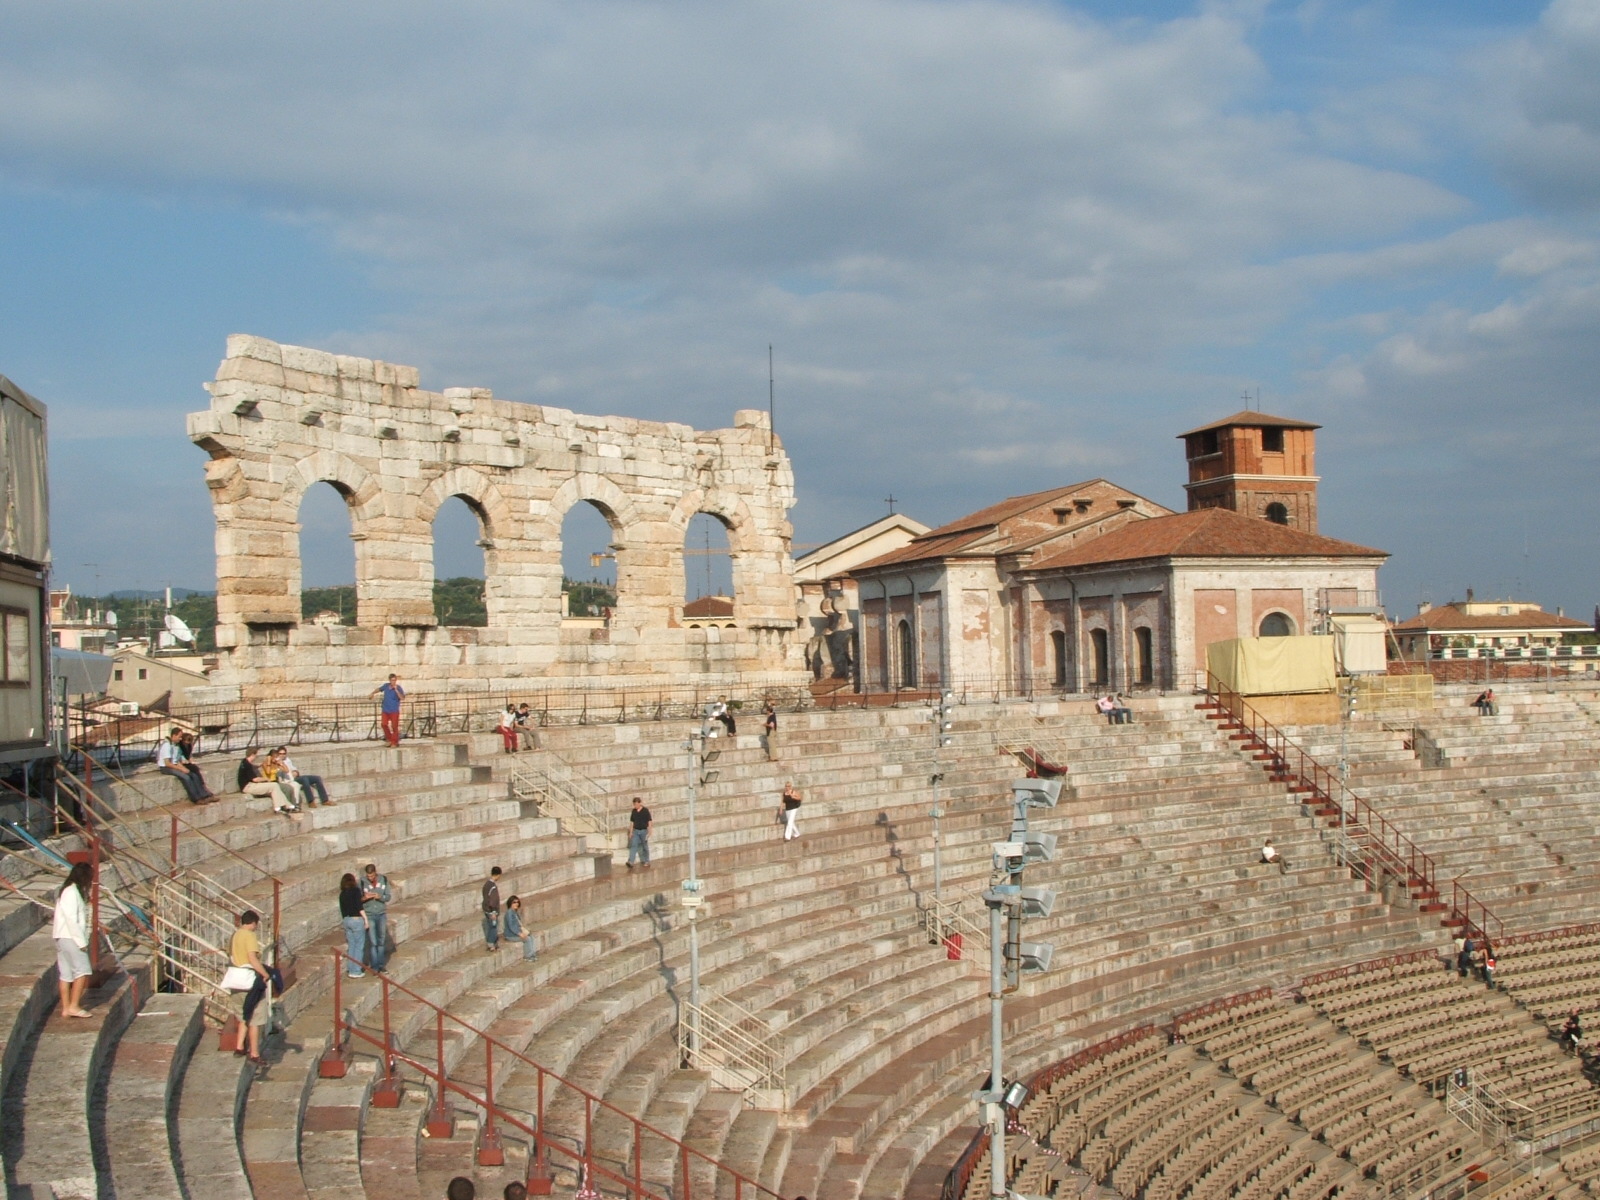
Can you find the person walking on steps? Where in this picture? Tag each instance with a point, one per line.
(770, 740)
(391, 694)
(638, 835)
(245, 951)
(791, 812)
(71, 934)
(375, 897)
(491, 910)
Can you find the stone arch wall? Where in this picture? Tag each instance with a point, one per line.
(283, 418)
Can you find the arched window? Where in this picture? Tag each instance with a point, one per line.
(1277, 513)
(1277, 625)
(327, 555)
(458, 564)
(707, 565)
(1102, 657)
(588, 561)
(1058, 657)
(1144, 654)
(908, 654)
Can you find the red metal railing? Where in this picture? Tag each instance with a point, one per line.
(625, 1171)
(89, 801)
(1221, 1004)
(1383, 846)
(1371, 964)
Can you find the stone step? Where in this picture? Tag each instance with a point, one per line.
(141, 1094)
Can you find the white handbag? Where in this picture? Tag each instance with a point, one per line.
(239, 979)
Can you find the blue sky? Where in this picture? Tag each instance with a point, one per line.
(997, 246)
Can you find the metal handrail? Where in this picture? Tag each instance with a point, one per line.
(722, 1026)
(336, 1060)
(99, 811)
(941, 918)
(572, 797)
(1385, 846)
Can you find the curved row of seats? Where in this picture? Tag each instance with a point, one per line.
(1162, 904)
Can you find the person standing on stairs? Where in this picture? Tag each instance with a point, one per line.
(71, 933)
(375, 897)
(491, 910)
(389, 719)
(639, 822)
(354, 920)
(770, 739)
(791, 812)
(245, 951)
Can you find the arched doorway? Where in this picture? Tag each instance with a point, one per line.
(327, 557)
(907, 654)
(1144, 655)
(1100, 646)
(458, 564)
(1277, 513)
(1058, 657)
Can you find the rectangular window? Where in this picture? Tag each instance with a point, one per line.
(1272, 441)
(143, 674)
(18, 664)
(117, 675)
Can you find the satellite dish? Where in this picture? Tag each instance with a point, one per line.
(178, 629)
(111, 619)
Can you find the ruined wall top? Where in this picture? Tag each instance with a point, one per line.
(283, 418)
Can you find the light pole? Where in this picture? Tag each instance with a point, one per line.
(699, 755)
(1009, 956)
(941, 739)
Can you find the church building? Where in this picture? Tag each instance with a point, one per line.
(1093, 587)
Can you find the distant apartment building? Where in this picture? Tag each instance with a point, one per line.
(1473, 628)
(74, 625)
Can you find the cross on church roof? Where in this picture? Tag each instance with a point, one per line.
(889, 500)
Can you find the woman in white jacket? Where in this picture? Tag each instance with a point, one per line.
(71, 934)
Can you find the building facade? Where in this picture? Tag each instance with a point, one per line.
(1093, 587)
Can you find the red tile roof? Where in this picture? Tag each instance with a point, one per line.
(709, 606)
(1448, 616)
(1252, 420)
(1208, 533)
(984, 518)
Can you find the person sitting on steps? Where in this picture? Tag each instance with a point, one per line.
(253, 783)
(1485, 703)
(1270, 855)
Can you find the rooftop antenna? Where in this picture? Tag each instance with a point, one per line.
(772, 418)
(706, 529)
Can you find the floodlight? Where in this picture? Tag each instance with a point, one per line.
(710, 776)
(710, 755)
(1037, 793)
(1038, 901)
(1008, 849)
(1017, 1095)
(1040, 848)
(1036, 957)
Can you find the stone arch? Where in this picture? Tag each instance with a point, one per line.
(628, 525)
(743, 538)
(363, 496)
(496, 525)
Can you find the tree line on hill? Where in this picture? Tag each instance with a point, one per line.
(457, 601)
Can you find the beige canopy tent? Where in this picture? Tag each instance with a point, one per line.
(1274, 665)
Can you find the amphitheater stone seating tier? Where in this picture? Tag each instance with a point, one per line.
(882, 1036)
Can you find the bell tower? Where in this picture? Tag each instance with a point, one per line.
(1256, 464)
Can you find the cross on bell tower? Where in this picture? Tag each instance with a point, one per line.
(1256, 464)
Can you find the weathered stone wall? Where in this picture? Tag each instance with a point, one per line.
(283, 418)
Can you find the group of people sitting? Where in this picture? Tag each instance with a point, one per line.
(517, 729)
(275, 777)
(1115, 708)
